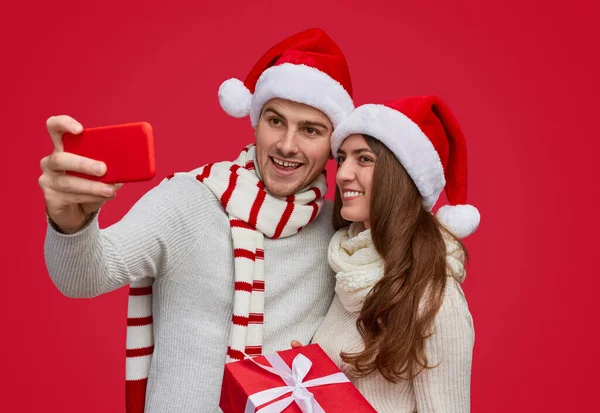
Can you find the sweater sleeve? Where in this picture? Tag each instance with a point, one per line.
(446, 387)
(147, 242)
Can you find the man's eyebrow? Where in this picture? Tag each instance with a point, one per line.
(304, 123)
(314, 123)
(270, 109)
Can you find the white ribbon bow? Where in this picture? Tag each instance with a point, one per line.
(293, 379)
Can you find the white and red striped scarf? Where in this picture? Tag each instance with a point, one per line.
(253, 215)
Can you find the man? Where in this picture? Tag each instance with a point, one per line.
(221, 260)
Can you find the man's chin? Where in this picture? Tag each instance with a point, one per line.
(281, 189)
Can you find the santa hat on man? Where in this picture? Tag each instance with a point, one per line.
(427, 140)
(307, 68)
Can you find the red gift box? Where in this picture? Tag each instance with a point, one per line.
(298, 380)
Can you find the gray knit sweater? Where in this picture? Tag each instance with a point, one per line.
(179, 234)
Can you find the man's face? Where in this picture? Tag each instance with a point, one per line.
(292, 145)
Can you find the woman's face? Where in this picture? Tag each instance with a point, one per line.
(354, 178)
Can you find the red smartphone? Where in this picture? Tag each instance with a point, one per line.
(127, 150)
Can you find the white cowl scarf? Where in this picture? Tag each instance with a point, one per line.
(359, 266)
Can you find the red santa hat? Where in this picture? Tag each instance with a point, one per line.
(307, 68)
(427, 140)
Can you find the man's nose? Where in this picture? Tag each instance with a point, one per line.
(288, 143)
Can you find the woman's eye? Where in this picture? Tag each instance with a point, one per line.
(365, 159)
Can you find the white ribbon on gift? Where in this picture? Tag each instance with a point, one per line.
(294, 380)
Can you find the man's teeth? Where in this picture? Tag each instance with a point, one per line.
(352, 194)
(286, 164)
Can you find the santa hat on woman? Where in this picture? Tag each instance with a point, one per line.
(427, 140)
(308, 67)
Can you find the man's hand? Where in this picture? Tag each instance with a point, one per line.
(71, 200)
(296, 344)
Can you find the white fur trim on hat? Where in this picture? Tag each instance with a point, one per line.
(461, 220)
(302, 84)
(235, 98)
(404, 138)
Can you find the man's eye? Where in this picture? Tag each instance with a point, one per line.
(312, 131)
(275, 121)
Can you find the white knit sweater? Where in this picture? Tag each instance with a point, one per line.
(445, 388)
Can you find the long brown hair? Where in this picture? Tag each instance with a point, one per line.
(398, 314)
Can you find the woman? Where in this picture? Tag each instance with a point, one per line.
(399, 325)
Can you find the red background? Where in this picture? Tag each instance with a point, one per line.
(521, 78)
